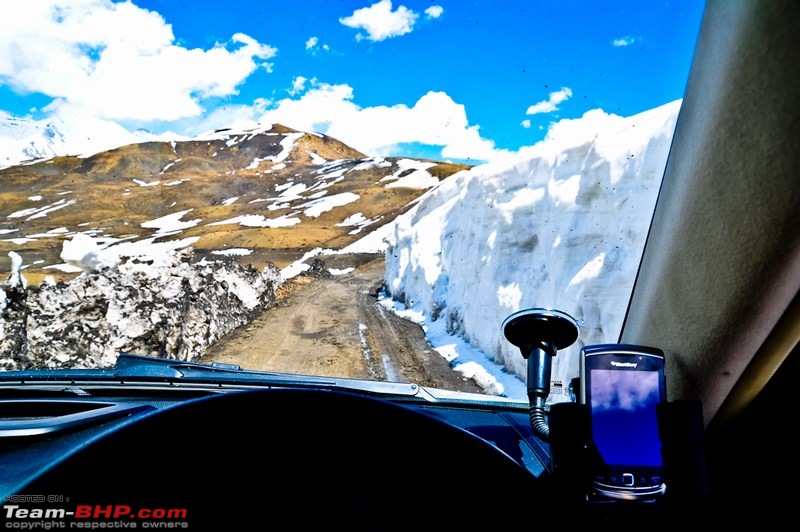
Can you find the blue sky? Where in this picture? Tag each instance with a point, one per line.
(446, 79)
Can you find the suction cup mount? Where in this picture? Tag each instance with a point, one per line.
(539, 326)
(539, 333)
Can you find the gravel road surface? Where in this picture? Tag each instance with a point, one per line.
(334, 326)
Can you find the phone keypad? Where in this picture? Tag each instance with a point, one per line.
(628, 480)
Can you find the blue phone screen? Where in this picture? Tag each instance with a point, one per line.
(624, 422)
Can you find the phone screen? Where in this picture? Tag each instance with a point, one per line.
(624, 423)
(623, 386)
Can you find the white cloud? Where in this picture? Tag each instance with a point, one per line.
(313, 46)
(380, 22)
(435, 119)
(298, 85)
(434, 11)
(575, 131)
(551, 104)
(236, 117)
(624, 41)
(117, 61)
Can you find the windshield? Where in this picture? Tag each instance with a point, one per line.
(351, 189)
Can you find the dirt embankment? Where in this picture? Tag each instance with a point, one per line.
(335, 326)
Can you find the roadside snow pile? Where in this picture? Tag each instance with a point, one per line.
(562, 225)
(166, 307)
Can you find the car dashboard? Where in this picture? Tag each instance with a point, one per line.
(162, 442)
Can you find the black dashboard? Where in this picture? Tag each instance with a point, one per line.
(184, 446)
(225, 457)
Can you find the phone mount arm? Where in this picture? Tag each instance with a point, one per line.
(539, 333)
(540, 363)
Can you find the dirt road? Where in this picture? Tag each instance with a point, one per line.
(334, 326)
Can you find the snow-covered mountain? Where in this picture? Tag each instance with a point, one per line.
(24, 139)
(270, 192)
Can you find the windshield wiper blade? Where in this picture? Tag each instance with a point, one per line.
(137, 368)
(129, 365)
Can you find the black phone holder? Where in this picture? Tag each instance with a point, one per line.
(683, 454)
(566, 427)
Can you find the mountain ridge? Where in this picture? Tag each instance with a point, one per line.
(26, 140)
(269, 194)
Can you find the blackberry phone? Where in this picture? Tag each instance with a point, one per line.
(622, 384)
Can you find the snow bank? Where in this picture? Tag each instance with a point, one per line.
(561, 225)
(171, 308)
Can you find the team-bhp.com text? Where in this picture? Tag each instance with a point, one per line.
(93, 517)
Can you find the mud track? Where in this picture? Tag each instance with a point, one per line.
(335, 326)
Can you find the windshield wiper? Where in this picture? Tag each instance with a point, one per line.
(131, 368)
(138, 369)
